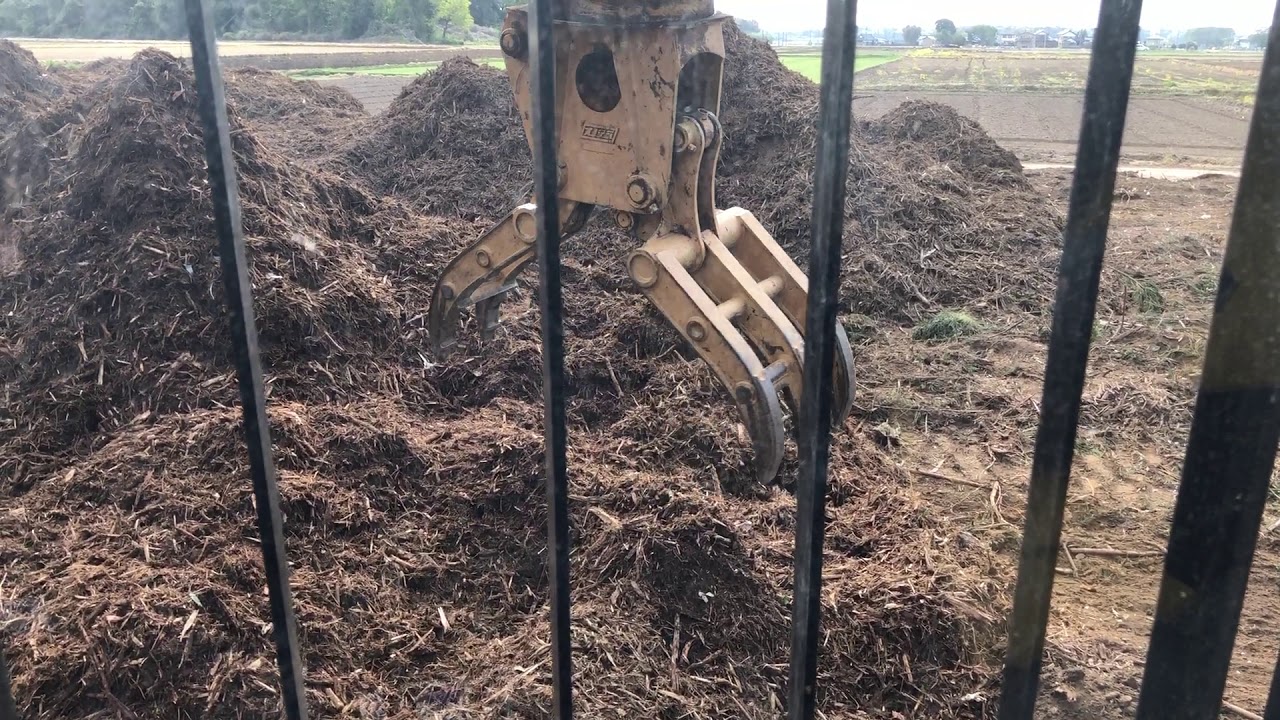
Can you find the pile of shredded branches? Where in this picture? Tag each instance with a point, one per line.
(22, 83)
(301, 118)
(452, 143)
(415, 512)
(939, 215)
(418, 577)
(113, 283)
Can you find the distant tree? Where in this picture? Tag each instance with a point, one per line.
(454, 15)
(911, 34)
(1259, 39)
(944, 27)
(1211, 36)
(490, 13)
(985, 34)
(360, 15)
(416, 16)
(1082, 36)
(750, 27)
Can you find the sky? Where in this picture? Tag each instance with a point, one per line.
(790, 15)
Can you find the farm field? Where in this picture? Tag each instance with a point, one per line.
(1025, 100)
(264, 55)
(415, 516)
(1228, 75)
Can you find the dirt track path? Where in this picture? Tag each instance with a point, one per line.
(1041, 128)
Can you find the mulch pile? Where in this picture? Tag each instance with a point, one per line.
(452, 143)
(415, 514)
(301, 118)
(22, 82)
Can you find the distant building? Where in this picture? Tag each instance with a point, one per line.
(1037, 39)
(1066, 38)
(1008, 39)
(1156, 42)
(927, 41)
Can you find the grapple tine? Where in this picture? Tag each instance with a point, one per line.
(485, 272)
(659, 270)
(767, 262)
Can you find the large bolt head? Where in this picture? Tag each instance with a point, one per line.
(641, 191)
(526, 225)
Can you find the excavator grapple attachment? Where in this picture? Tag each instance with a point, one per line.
(485, 272)
(660, 268)
(639, 90)
(765, 259)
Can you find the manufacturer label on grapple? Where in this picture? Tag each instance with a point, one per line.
(600, 133)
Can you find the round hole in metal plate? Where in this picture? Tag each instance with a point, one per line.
(597, 80)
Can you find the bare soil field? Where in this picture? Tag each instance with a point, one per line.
(415, 516)
(1174, 131)
(1189, 73)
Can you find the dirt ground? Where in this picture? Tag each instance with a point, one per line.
(73, 50)
(1177, 131)
(262, 55)
(963, 415)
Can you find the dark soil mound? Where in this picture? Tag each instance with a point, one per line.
(947, 136)
(21, 82)
(299, 117)
(939, 214)
(452, 143)
(420, 588)
(113, 282)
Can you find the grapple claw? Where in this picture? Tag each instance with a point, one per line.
(485, 272)
(659, 268)
(770, 265)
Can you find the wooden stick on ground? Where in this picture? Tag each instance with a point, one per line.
(1112, 552)
(951, 478)
(1238, 711)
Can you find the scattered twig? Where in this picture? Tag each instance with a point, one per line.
(1112, 552)
(1239, 711)
(950, 478)
(1075, 570)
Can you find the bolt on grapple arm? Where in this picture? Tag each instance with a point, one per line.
(638, 93)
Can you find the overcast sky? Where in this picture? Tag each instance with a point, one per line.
(784, 15)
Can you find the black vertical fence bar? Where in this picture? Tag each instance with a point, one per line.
(1084, 242)
(1273, 697)
(1232, 448)
(542, 61)
(244, 341)
(8, 710)
(830, 171)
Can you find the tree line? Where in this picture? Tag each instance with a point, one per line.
(946, 33)
(421, 20)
